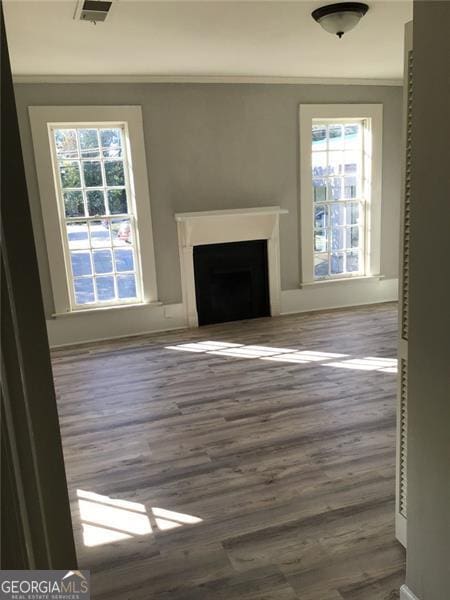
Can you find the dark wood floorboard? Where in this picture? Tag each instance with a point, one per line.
(207, 472)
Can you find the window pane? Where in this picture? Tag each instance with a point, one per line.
(84, 290)
(337, 214)
(320, 190)
(92, 172)
(321, 265)
(352, 237)
(335, 134)
(338, 238)
(335, 163)
(81, 263)
(66, 143)
(105, 288)
(77, 234)
(320, 240)
(335, 188)
(117, 200)
(100, 234)
(70, 174)
(352, 135)
(337, 263)
(350, 187)
(126, 286)
(353, 262)
(319, 137)
(124, 259)
(88, 143)
(353, 214)
(111, 142)
(102, 261)
(95, 202)
(320, 217)
(73, 204)
(352, 162)
(114, 172)
(319, 164)
(121, 232)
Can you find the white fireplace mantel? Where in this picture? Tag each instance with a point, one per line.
(221, 226)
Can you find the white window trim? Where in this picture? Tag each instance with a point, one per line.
(308, 112)
(42, 118)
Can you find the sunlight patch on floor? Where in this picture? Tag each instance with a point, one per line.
(105, 520)
(168, 519)
(369, 363)
(289, 355)
(203, 346)
(306, 356)
(252, 351)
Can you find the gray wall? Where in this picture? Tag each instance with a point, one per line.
(222, 146)
(428, 555)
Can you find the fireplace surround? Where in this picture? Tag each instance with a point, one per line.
(225, 226)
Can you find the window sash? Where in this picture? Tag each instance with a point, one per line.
(71, 277)
(114, 273)
(346, 249)
(346, 203)
(370, 194)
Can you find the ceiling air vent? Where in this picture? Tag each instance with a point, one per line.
(94, 10)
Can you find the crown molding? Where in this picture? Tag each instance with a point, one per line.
(203, 79)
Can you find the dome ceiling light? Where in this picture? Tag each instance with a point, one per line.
(340, 18)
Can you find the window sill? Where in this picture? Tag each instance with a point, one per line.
(96, 310)
(346, 280)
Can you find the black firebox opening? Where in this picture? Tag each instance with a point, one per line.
(231, 281)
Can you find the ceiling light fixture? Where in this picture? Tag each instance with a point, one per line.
(340, 18)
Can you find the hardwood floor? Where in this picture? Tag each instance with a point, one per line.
(210, 471)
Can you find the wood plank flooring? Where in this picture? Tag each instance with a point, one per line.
(263, 470)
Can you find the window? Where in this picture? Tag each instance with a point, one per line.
(94, 195)
(340, 181)
(98, 218)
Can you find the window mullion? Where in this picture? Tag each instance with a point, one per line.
(105, 186)
(116, 284)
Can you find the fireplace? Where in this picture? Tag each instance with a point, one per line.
(231, 281)
(246, 241)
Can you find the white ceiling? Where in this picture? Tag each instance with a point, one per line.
(256, 39)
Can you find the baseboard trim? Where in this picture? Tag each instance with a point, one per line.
(108, 325)
(406, 593)
(339, 295)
